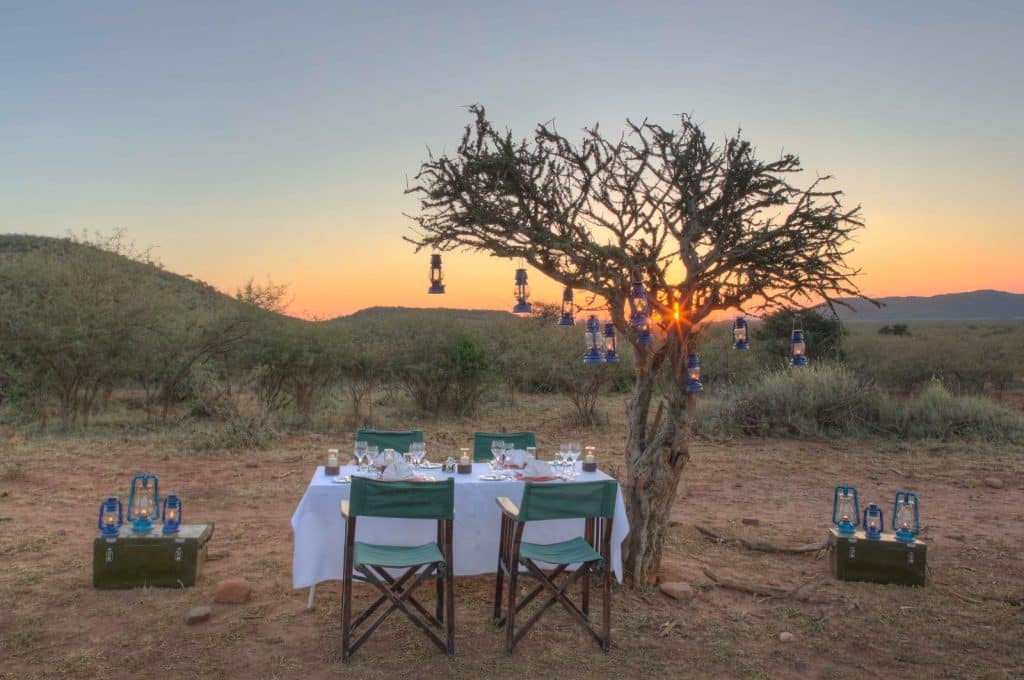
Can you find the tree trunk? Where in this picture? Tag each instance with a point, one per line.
(650, 493)
(656, 453)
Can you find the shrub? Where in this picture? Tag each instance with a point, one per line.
(938, 414)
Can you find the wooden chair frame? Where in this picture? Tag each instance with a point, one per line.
(597, 533)
(397, 592)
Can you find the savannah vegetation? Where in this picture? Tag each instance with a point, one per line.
(95, 334)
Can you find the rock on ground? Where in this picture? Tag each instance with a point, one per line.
(232, 591)
(198, 615)
(993, 482)
(785, 636)
(677, 590)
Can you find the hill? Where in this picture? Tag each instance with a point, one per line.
(973, 306)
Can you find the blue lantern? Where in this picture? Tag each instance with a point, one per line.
(643, 336)
(905, 520)
(171, 516)
(568, 317)
(873, 521)
(639, 306)
(740, 337)
(798, 348)
(143, 502)
(436, 280)
(693, 374)
(611, 356)
(111, 516)
(593, 355)
(846, 510)
(522, 294)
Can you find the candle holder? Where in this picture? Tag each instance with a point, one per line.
(589, 460)
(333, 466)
(143, 502)
(465, 465)
(111, 516)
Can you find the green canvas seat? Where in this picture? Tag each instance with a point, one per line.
(594, 503)
(566, 552)
(433, 561)
(482, 442)
(396, 555)
(390, 439)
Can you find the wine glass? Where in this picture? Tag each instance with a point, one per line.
(371, 456)
(360, 454)
(574, 453)
(563, 456)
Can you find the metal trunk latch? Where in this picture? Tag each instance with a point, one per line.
(178, 554)
(110, 554)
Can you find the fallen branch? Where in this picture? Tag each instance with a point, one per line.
(761, 546)
(765, 590)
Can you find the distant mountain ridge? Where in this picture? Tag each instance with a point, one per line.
(976, 305)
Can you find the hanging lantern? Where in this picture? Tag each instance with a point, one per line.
(905, 520)
(740, 336)
(639, 306)
(798, 349)
(172, 514)
(522, 294)
(846, 510)
(111, 516)
(436, 280)
(593, 335)
(693, 374)
(611, 356)
(643, 335)
(143, 502)
(873, 521)
(568, 317)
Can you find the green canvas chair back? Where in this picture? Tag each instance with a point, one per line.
(568, 501)
(482, 442)
(407, 500)
(386, 439)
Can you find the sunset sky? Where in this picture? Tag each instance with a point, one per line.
(251, 139)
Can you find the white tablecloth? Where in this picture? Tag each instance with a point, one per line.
(320, 531)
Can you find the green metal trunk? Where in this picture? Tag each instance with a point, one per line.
(882, 560)
(132, 560)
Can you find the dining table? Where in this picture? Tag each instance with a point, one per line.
(319, 529)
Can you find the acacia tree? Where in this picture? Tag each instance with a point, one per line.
(710, 227)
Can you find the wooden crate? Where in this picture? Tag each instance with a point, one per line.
(882, 560)
(132, 560)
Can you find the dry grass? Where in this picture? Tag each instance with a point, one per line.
(53, 624)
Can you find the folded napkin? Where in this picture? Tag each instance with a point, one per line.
(537, 468)
(518, 457)
(397, 471)
(382, 458)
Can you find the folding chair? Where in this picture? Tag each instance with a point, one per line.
(407, 500)
(388, 439)
(592, 501)
(482, 442)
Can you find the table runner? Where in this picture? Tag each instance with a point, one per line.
(320, 531)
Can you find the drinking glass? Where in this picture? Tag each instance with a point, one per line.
(574, 454)
(360, 453)
(371, 456)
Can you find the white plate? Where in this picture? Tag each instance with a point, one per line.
(492, 478)
(430, 466)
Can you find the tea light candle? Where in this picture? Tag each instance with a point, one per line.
(464, 457)
(589, 458)
(332, 457)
